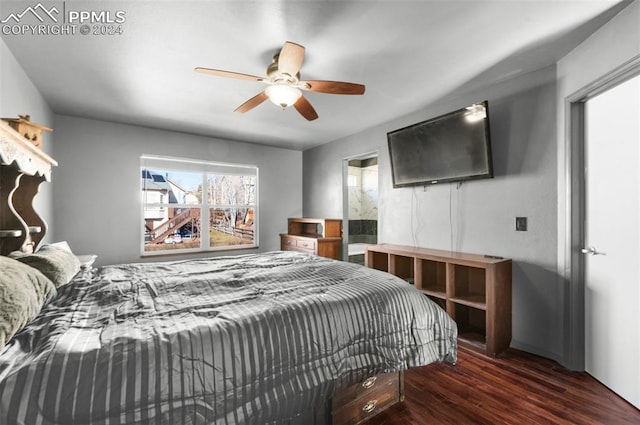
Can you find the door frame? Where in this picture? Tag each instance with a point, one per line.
(345, 197)
(574, 270)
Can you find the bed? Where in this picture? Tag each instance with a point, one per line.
(264, 338)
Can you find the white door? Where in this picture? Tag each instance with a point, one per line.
(612, 235)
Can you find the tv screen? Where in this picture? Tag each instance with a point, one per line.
(452, 147)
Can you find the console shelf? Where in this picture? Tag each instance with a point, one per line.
(10, 233)
(474, 290)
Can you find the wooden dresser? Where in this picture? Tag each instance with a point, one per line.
(318, 236)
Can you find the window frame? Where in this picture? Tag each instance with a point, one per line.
(204, 168)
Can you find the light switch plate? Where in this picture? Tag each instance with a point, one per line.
(521, 224)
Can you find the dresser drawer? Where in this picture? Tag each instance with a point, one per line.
(287, 244)
(362, 389)
(365, 399)
(309, 244)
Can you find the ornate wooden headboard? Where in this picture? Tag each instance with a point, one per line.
(23, 167)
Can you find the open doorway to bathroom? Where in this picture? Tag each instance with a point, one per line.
(361, 201)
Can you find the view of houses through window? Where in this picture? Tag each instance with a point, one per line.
(192, 205)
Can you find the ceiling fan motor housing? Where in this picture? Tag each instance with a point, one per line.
(274, 74)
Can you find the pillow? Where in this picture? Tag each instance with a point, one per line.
(23, 291)
(58, 264)
(63, 244)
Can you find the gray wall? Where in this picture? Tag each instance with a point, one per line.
(481, 218)
(96, 188)
(18, 96)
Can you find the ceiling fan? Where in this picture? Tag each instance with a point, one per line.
(285, 86)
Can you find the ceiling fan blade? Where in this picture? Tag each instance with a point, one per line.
(228, 74)
(290, 58)
(303, 106)
(334, 87)
(252, 103)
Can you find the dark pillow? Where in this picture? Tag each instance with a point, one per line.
(23, 291)
(58, 264)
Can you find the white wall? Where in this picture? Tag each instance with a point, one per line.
(482, 215)
(18, 96)
(97, 184)
(613, 46)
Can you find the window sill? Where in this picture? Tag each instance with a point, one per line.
(177, 252)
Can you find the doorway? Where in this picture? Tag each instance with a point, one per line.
(361, 205)
(604, 233)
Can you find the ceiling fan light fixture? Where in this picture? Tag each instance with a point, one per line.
(283, 95)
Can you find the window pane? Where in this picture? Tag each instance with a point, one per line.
(231, 226)
(171, 187)
(225, 189)
(178, 228)
(176, 193)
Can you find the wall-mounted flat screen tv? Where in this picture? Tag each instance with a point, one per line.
(452, 147)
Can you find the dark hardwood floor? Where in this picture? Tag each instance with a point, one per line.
(518, 388)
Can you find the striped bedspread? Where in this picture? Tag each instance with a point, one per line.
(255, 339)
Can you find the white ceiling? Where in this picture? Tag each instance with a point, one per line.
(407, 53)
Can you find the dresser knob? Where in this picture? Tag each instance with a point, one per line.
(369, 382)
(369, 406)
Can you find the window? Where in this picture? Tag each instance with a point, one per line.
(190, 205)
